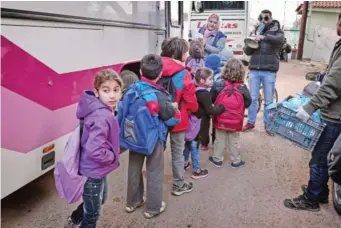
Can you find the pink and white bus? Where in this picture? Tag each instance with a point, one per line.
(50, 52)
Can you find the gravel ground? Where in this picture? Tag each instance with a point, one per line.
(250, 197)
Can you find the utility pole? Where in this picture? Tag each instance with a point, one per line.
(302, 30)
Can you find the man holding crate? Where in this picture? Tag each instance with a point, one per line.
(328, 100)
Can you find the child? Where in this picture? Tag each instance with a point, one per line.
(99, 145)
(128, 78)
(174, 53)
(212, 61)
(195, 60)
(227, 133)
(204, 80)
(159, 105)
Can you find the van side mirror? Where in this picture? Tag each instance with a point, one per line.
(198, 6)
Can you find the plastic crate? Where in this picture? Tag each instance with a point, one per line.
(287, 125)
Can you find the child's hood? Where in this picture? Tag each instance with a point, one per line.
(171, 67)
(88, 104)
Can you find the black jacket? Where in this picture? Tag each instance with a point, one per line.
(266, 57)
(206, 106)
(219, 85)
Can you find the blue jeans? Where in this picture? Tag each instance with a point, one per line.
(94, 195)
(268, 79)
(318, 181)
(193, 149)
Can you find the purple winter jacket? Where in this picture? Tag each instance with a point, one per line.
(100, 152)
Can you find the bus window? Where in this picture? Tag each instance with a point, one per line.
(223, 5)
(175, 13)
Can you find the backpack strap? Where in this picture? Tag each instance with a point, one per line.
(231, 90)
(181, 73)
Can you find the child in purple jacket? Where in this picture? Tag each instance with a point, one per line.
(99, 145)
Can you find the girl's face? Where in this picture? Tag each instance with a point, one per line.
(208, 82)
(109, 93)
(212, 23)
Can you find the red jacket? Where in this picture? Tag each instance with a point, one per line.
(185, 90)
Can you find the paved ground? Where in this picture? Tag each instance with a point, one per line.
(250, 197)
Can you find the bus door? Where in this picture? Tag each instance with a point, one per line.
(174, 18)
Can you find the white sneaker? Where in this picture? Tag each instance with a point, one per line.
(148, 215)
(132, 209)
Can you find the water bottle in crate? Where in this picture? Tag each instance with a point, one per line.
(287, 125)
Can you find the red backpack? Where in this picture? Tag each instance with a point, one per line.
(233, 101)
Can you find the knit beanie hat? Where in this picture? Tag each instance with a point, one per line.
(212, 61)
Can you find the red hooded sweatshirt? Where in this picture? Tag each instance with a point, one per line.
(185, 90)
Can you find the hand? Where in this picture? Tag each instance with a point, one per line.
(302, 114)
(222, 107)
(175, 105)
(259, 37)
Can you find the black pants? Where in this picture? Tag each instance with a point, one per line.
(205, 130)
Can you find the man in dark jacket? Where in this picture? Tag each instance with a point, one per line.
(328, 100)
(264, 64)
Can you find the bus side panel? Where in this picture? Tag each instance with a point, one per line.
(49, 68)
(142, 12)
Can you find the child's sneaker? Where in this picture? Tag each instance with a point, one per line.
(149, 215)
(187, 165)
(186, 188)
(204, 148)
(238, 165)
(202, 173)
(248, 127)
(217, 164)
(69, 223)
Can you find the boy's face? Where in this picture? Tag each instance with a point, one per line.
(109, 93)
(208, 82)
(184, 56)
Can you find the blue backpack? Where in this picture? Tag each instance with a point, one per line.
(139, 130)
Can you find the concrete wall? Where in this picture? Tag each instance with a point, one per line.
(320, 34)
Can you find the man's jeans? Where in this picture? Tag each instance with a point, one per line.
(268, 79)
(318, 182)
(193, 149)
(94, 195)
